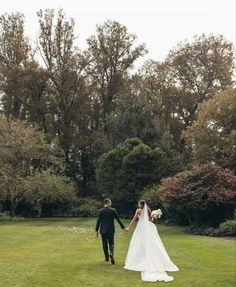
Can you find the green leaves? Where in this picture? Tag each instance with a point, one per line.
(212, 135)
(46, 187)
(125, 171)
(111, 53)
(24, 152)
(89, 101)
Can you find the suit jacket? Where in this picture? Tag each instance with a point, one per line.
(105, 220)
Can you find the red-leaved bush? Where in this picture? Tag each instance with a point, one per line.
(202, 196)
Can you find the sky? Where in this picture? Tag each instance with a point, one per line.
(160, 24)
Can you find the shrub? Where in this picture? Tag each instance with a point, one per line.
(152, 197)
(208, 231)
(84, 207)
(49, 193)
(203, 196)
(227, 228)
(6, 218)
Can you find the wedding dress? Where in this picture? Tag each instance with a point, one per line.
(147, 253)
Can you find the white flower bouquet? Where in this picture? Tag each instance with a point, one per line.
(156, 214)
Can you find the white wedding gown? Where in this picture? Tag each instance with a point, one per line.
(147, 253)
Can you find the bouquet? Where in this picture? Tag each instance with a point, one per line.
(155, 214)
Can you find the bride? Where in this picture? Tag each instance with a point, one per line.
(146, 251)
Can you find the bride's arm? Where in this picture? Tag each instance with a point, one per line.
(137, 213)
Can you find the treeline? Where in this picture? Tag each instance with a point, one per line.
(87, 102)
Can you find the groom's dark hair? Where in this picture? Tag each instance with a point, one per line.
(106, 201)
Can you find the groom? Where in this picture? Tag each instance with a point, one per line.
(105, 221)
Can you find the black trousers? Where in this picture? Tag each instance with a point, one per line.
(108, 239)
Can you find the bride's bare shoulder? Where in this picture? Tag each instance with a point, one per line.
(138, 211)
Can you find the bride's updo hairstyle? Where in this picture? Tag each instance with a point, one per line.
(142, 203)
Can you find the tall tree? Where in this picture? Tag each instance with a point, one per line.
(14, 55)
(200, 69)
(69, 100)
(212, 136)
(36, 107)
(134, 115)
(111, 53)
(159, 85)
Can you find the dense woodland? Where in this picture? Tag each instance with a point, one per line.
(78, 124)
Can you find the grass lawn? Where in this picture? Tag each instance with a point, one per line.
(65, 252)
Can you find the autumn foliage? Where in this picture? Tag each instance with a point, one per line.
(202, 196)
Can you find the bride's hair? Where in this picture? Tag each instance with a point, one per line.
(142, 202)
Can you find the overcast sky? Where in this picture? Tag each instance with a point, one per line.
(161, 24)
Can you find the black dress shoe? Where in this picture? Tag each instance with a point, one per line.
(107, 259)
(112, 259)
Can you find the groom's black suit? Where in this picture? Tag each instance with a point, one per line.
(105, 222)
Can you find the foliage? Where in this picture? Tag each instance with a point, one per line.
(212, 137)
(111, 53)
(84, 207)
(152, 197)
(14, 57)
(202, 196)
(134, 115)
(89, 101)
(199, 70)
(227, 228)
(206, 231)
(6, 218)
(69, 103)
(125, 171)
(23, 152)
(47, 188)
(157, 87)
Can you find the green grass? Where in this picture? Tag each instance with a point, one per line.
(65, 252)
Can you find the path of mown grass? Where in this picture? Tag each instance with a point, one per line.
(65, 252)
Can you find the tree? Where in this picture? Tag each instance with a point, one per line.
(191, 73)
(200, 69)
(23, 151)
(14, 56)
(36, 107)
(22, 81)
(47, 188)
(202, 196)
(152, 197)
(145, 108)
(125, 171)
(111, 53)
(135, 115)
(212, 136)
(159, 85)
(69, 100)
(91, 101)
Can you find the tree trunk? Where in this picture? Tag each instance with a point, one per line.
(39, 208)
(12, 208)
